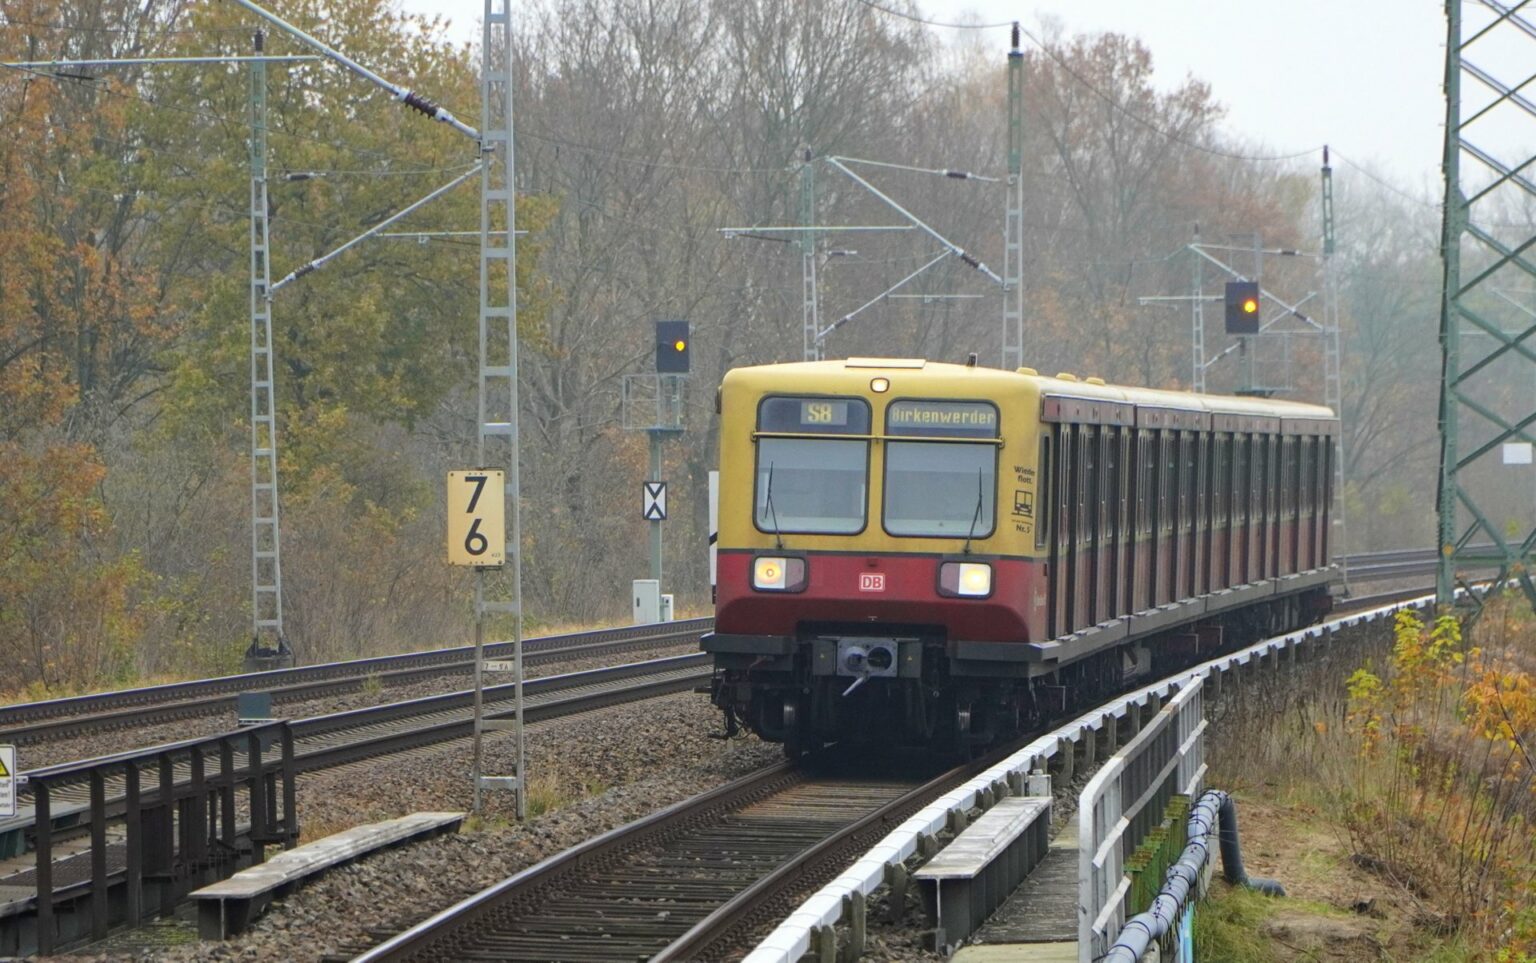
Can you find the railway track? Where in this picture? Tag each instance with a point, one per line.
(678, 884)
(33, 722)
(338, 739)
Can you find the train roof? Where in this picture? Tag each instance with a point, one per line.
(850, 374)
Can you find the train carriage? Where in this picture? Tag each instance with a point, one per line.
(931, 552)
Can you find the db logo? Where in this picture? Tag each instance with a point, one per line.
(871, 581)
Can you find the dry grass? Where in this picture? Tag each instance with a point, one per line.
(1419, 765)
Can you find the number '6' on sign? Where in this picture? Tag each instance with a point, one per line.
(477, 504)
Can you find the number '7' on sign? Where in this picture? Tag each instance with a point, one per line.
(477, 534)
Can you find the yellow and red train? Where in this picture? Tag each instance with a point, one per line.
(936, 553)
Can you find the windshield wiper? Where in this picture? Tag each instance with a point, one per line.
(768, 499)
(975, 518)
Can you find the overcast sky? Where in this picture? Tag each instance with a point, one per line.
(1361, 75)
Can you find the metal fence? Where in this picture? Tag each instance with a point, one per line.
(1124, 801)
(180, 815)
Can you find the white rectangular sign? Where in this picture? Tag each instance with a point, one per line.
(7, 780)
(653, 501)
(1517, 453)
(500, 666)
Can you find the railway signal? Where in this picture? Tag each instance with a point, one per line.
(672, 347)
(1242, 307)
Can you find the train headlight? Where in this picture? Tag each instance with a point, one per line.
(778, 574)
(965, 580)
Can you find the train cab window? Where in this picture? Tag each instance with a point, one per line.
(812, 478)
(941, 468)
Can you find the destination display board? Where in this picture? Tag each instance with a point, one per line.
(942, 419)
(833, 416)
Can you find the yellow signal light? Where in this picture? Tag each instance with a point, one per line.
(679, 345)
(1250, 305)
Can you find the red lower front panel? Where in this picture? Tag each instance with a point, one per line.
(881, 589)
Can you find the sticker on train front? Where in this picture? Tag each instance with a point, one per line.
(7, 781)
(871, 581)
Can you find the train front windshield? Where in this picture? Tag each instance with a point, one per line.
(940, 489)
(942, 480)
(809, 479)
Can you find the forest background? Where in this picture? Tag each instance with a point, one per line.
(642, 128)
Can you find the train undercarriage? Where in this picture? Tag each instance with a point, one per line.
(911, 685)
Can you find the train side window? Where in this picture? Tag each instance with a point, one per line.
(1240, 483)
(1169, 443)
(1063, 486)
(1149, 475)
(1324, 473)
(1283, 482)
(1044, 488)
(1126, 447)
(1087, 483)
(1257, 479)
(1271, 476)
(1304, 476)
(1109, 478)
(1188, 491)
(1219, 482)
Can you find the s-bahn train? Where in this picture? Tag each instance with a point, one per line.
(936, 554)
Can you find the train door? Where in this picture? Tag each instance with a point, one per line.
(1221, 469)
(1272, 507)
(1256, 460)
(1141, 544)
(1109, 522)
(1125, 530)
(1163, 559)
(1257, 521)
(1266, 495)
(1238, 553)
(1304, 478)
(1179, 548)
(1087, 510)
(1324, 512)
(1061, 552)
(1195, 461)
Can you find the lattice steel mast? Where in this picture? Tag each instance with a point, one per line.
(266, 541)
(809, 309)
(1333, 384)
(1013, 227)
(1469, 536)
(497, 382)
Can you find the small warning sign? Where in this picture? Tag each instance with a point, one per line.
(653, 501)
(7, 781)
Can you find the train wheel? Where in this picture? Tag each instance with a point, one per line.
(965, 746)
(794, 738)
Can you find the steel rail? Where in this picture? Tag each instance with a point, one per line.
(456, 658)
(324, 740)
(430, 939)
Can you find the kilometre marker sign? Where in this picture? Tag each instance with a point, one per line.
(477, 533)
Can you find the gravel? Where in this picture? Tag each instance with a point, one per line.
(594, 772)
(89, 746)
